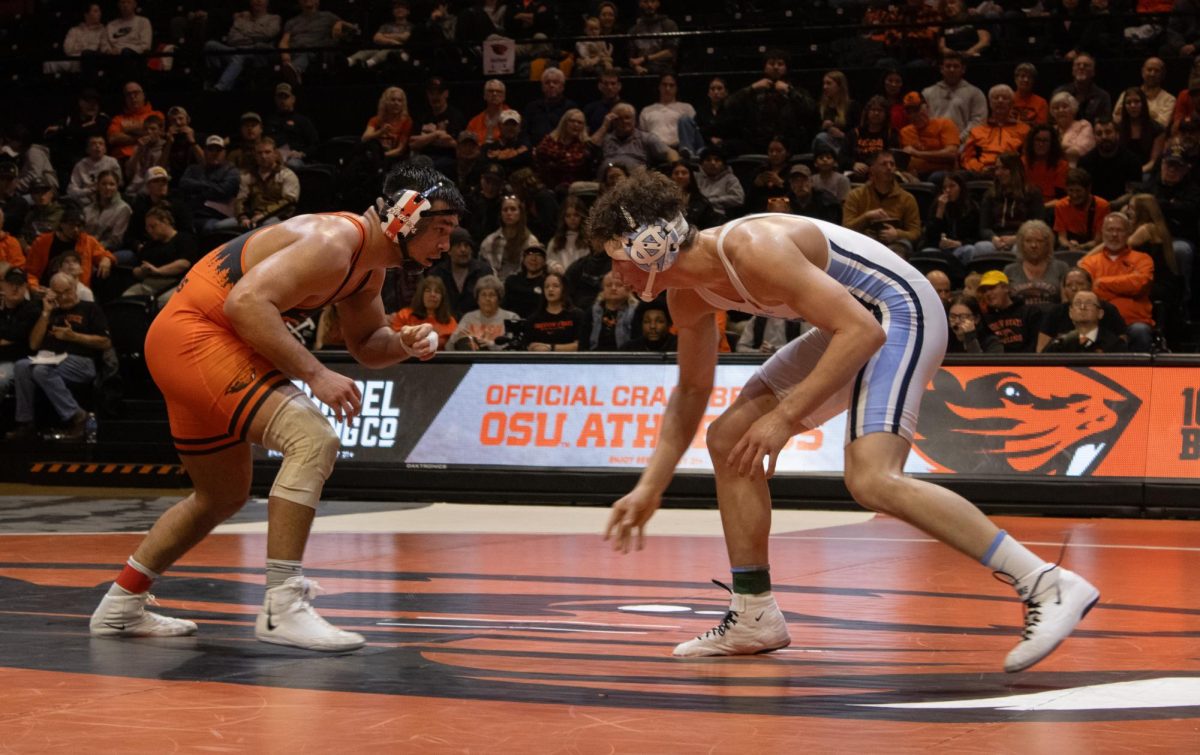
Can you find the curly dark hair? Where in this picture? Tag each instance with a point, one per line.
(646, 197)
(1054, 155)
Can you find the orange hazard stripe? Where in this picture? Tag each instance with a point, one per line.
(83, 468)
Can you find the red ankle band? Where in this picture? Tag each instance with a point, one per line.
(133, 580)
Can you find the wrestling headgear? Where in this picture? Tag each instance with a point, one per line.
(654, 246)
(400, 213)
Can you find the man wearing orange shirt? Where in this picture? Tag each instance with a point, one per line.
(486, 125)
(1079, 216)
(10, 246)
(931, 142)
(69, 236)
(126, 127)
(1001, 133)
(1123, 277)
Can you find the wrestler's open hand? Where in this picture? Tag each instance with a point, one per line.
(766, 437)
(416, 338)
(629, 516)
(338, 392)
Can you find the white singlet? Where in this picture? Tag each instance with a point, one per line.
(886, 394)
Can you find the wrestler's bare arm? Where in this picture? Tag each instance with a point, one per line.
(312, 258)
(697, 359)
(309, 259)
(772, 264)
(369, 339)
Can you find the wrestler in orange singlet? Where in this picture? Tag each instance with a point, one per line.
(224, 360)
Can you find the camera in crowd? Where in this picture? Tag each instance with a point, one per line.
(516, 336)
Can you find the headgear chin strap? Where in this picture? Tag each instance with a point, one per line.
(654, 246)
(400, 213)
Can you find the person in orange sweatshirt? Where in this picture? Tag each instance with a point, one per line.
(1123, 277)
(10, 246)
(126, 129)
(1001, 133)
(69, 235)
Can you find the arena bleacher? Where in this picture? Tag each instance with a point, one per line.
(872, 43)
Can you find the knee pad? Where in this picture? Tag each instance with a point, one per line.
(309, 447)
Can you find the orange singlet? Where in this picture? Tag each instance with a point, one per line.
(213, 381)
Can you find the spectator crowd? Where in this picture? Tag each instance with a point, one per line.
(1051, 215)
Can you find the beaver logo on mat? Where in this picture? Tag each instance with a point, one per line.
(1043, 420)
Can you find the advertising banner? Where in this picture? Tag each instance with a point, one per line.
(999, 419)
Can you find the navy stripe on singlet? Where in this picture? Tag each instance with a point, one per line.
(919, 341)
(250, 393)
(229, 257)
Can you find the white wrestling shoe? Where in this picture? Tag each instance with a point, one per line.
(753, 624)
(1055, 601)
(126, 616)
(288, 618)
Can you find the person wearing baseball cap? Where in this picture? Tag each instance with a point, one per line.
(69, 234)
(931, 143)
(523, 289)
(469, 161)
(157, 173)
(806, 199)
(512, 150)
(460, 269)
(436, 126)
(212, 186)
(1013, 322)
(295, 133)
(991, 278)
(241, 147)
(157, 192)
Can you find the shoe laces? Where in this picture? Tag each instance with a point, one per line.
(726, 623)
(311, 588)
(1032, 603)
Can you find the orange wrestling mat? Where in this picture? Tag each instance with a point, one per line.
(487, 639)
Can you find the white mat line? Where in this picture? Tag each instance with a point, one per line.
(1025, 542)
(554, 621)
(514, 628)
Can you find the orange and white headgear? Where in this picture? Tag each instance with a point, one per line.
(400, 213)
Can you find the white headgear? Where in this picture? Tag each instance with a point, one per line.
(654, 246)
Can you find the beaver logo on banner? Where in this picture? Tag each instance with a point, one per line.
(1040, 420)
(499, 56)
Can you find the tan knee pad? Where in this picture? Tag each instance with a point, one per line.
(309, 447)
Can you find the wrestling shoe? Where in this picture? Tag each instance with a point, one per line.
(753, 624)
(288, 618)
(126, 616)
(1055, 601)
